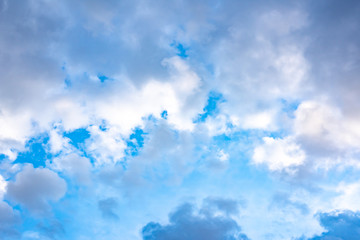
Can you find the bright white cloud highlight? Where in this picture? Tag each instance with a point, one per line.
(279, 154)
(325, 129)
(3, 185)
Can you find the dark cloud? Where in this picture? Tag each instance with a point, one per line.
(185, 223)
(339, 226)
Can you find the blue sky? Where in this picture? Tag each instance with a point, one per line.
(217, 120)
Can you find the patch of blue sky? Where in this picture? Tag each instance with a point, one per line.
(237, 169)
(135, 142)
(181, 49)
(103, 126)
(238, 178)
(212, 106)
(341, 174)
(49, 227)
(289, 107)
(164, 114)
(246, 137)
(28, 223)
(36, 153)
(67, 82)
(78, 137)
(103, 78)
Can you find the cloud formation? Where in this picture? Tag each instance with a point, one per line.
(177, 100)
(35, 188)
(339, 225)
(185, 223)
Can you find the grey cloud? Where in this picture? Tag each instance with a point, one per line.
(35, 187)
(339, 226)
(108, 208)
(254, 53)
(8, 219)
(28, 32)
(184, 223)
(167, 156)
(333, 51)
(282, 200)
(76, 166)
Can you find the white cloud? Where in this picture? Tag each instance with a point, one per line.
(107, 146)
(324, 129)
(262, 120)
(348, 198)
(279, 154)
(222, 156)
(57, 142)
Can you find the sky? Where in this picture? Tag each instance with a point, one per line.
(179, 120)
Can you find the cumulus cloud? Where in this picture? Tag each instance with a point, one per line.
(185, 223)
(35, 188)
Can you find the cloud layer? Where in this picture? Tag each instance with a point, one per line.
(114, 112)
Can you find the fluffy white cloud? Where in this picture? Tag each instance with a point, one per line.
(322, 124)
(263, 120)
(279, 154)
(330, 136)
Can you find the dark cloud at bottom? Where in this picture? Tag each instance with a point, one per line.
(185, 223)
(339, 226)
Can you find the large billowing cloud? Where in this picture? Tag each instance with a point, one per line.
(185, 223)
